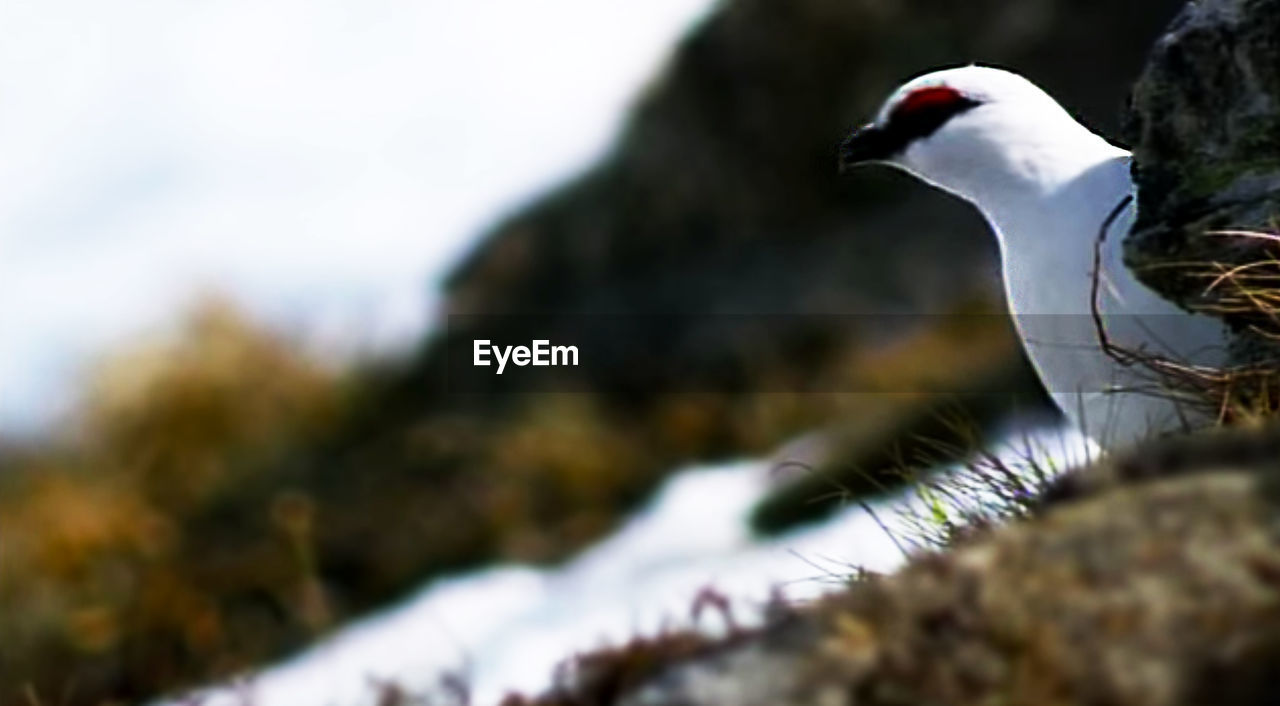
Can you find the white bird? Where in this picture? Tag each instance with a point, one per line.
(1048, 186)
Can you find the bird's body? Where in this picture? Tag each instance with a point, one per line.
(1048, 186)
(1049, 282)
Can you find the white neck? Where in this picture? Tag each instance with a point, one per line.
(1049, 237)
(1020, 200)
(1012, 161)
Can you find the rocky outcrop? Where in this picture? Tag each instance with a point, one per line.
(1205, 126)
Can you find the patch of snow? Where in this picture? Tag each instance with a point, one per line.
(507, 628)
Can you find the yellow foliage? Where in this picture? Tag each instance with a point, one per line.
(180, 413)
(98, 530)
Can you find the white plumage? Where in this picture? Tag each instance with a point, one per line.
(1046, 185)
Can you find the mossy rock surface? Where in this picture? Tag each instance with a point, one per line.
(1204, 122)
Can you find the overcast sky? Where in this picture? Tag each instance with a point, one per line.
(322, 161)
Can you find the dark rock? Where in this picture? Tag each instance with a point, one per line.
(1205, 125)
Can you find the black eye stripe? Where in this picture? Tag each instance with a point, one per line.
(922, 113)
(917, 115)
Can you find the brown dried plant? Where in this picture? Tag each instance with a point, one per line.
(1247, 297)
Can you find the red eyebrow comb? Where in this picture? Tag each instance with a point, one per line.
(929, 99)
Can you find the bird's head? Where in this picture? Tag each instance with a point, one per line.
(973, 129)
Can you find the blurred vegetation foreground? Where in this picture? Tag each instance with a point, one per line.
(222, 500)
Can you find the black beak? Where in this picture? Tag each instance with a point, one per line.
(869, 143)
